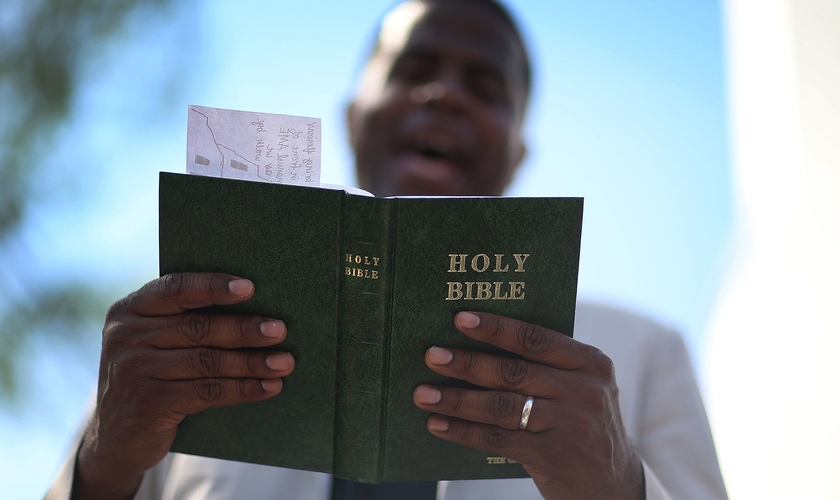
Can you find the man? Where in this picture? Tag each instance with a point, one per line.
(439, 111)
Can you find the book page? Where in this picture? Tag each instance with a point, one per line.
(261, 147)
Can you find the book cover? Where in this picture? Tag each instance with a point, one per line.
(365, 286)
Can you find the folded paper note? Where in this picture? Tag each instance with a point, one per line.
(264, 147)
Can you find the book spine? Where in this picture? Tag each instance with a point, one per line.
(362, 341)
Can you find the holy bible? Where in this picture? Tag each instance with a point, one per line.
(365, 286)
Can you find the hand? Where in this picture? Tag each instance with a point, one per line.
(162, 360)
(575, 445)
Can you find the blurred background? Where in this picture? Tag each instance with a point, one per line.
(703, 135)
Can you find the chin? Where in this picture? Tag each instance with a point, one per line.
(426, 187)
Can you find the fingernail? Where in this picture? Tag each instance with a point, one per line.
(274, 329)
(439, 356)
(427, 395)
(437, 424)
(467, 320)
(272, 384)
(240, 288)
(280, 362)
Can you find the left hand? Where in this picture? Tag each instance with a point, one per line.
(575, 445)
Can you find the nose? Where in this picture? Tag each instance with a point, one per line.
(445, 90)
(427, 92)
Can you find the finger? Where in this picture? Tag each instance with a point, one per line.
(531, 341)
(500, 408)
(203, 362)
(495, 372)
(502, 442)
(194, 329)
(177, 292)
(193, 396)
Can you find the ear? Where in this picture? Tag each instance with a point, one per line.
(517, 154)
(352, 118)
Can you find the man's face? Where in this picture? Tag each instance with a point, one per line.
(439, 109)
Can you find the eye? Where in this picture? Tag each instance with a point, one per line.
(488, 86)
(413, 68)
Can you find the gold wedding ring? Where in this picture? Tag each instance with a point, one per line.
(526, 413)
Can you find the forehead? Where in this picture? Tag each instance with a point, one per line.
(461, 30)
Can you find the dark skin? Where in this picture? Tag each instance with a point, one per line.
(161, 361)
(439, 112)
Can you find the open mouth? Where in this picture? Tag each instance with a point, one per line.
(432, 162)
(435, 148)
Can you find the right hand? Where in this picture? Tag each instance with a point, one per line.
(162, 361)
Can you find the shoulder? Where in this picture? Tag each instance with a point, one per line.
(660, 403)
(644, 352)
(624, 335)
(606, 324)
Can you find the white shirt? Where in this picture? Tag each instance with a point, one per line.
(660, 406)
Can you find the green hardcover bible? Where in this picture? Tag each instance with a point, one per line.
(365, 286)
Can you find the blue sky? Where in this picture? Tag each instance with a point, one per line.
(629, 112)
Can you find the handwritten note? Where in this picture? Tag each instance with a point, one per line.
(254, 146)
